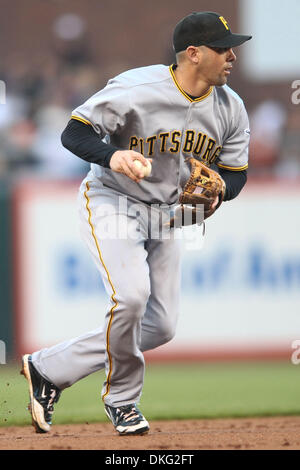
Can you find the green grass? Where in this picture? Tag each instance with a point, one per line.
(172, 391)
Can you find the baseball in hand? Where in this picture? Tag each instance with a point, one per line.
(145, 169)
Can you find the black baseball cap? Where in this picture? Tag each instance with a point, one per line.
(205, 28)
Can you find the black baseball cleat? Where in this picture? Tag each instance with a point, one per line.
(43, 395)
(127, 419)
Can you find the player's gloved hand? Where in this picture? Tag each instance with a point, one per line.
(201, 196)
(122, 162)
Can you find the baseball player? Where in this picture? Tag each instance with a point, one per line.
(162, 114)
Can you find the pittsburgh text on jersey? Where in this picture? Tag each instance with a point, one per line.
(197, 143)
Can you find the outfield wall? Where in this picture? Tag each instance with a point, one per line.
(240, 285)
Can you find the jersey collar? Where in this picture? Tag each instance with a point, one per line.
(196, 100)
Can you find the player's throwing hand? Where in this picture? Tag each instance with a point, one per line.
(122, 162)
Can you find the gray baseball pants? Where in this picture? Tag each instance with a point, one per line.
(141, 276)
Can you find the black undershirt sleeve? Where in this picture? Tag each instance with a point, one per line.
(83, 141)
(235, 181)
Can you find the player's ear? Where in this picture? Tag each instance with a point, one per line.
(192, 54)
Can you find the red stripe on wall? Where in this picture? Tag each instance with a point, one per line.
(196, 355)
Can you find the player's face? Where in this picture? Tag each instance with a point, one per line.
(215, 64)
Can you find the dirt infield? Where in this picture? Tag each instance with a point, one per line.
(281, 433)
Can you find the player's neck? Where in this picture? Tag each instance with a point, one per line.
(190, 81)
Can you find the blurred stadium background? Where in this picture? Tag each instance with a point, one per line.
(241, 292)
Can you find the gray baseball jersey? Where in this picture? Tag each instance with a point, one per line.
(146, 110)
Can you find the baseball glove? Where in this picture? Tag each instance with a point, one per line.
(200, 191)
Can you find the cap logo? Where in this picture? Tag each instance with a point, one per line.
(224, 22)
